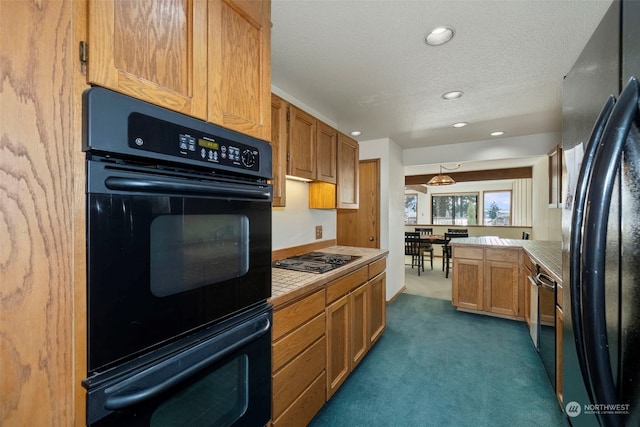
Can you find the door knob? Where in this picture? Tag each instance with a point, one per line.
(371, 238)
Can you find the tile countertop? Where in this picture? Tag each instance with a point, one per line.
(546, 253)
(287, 285)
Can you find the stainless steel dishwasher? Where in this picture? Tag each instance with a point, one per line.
(542, 326)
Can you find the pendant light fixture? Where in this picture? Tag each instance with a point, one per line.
(441, 179)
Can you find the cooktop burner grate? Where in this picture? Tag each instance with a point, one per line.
(314, 262)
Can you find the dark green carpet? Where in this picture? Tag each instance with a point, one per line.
(435, 366)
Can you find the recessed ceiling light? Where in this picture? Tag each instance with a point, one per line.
(454, 94)
(439, 35)
(497, 133)
(355, 133)
(459, 125)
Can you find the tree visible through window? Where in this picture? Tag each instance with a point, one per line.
(497, 207)
(458, 209)
(411, 209)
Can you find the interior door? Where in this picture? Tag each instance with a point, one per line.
(361, 227)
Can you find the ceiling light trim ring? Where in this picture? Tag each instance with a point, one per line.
(439, 36)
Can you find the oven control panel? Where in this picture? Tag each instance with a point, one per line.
(158, 136)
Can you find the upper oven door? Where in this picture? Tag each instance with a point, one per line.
(169, 253)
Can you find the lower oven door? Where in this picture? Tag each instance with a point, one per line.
(223, 380)
(169, 253)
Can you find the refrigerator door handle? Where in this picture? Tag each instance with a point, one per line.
(575, 242)
(605, 169)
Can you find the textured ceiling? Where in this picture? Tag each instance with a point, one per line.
(363, 64)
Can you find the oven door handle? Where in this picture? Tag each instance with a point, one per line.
(167, 186)
(161, 377)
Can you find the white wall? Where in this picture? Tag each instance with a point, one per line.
(294, 225)
(494, 149)
(391, 206)
(547, 222)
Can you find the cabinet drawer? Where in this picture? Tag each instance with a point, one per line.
(342, 286)
(292, 344)
(377, 267)
(294, 315)
(305, 407)
(295, 377)
(503, 255)
(466, 252)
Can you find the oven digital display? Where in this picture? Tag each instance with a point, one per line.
(208, 144)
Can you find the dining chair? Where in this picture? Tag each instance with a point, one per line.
(525, 235)
(426, 246)
(412, 248)
(446, 250)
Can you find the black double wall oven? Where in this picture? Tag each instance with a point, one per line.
(178, 268)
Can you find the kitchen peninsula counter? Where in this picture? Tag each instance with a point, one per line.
(548, 254)
(288, 285)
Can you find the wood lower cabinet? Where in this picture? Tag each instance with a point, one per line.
(207, 59)
(319, 339)
(488, 280)
(468, 278)
(299, 354)
(356, 317)
(338, 343)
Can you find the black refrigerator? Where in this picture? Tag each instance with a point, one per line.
(601, 226)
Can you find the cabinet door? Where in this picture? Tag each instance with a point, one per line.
(467, 283)
(337, 336)
(359, 325)
(151, 50)
(302, 144)
(377, 307)
(326, 146)
(501, 288)
(348, 168)
(239, 68)
(279, 150)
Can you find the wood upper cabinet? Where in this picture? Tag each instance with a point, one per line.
(239, 68)
(207, 59)
(326, 146)
(154, 51)
(348, 168)
(302, 144)
(279, 149)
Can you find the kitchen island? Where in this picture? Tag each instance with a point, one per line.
(489, 274)
(513, 278)
(323, 326)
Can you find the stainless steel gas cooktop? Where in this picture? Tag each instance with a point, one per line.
(314, 262)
